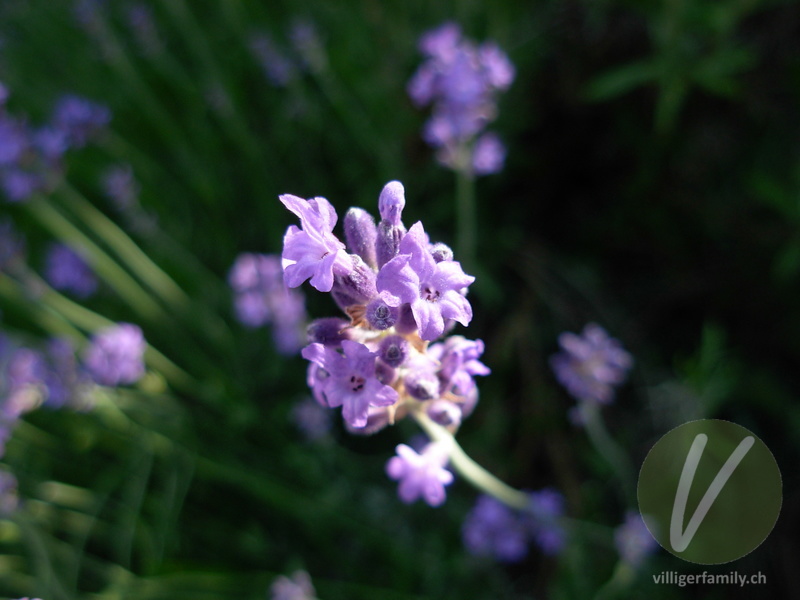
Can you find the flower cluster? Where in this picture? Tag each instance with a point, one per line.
(461, 80)
(31, 378)
(401, 292)
(30, 157)
(261, 298)
(495, 530)
(590, 365)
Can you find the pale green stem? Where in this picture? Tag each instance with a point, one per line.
(75, 317)
(466, 235)
(620, 580)
(609, 449)
(136, 260)
(49, 320)
(468, 468)
(125, 285)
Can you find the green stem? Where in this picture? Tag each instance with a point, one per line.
(125, 285)
(620, 580)
(466, 213)
(609, 449)
(136, 260)
(468, 468)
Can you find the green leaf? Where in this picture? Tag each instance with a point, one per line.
(620, 80)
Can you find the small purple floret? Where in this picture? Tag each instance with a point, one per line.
(313, 252)
(350, 380)
(421, 475)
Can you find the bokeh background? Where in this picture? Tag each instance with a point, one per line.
(652, 185)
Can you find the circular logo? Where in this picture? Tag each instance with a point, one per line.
(710, 491)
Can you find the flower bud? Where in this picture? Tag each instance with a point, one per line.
(391, 203)
(441, 252)
(380, 315)
(361, 235)
(329, 331)
(445, 413)
(357, 287)
(422, 385)
(393, 350)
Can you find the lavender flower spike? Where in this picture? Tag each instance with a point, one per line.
(432, 289)
(313, 252)
(351, 382)
(421, 475)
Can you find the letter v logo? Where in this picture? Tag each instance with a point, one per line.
(680, 540)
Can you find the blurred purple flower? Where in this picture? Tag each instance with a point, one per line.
(546, 509)
(119, 185)
(421, 475)
(461, 81)
(591, 364)
(277, 67)
(633, 540)
(296, 587)
(488, 155)
(493, 529)
(80, 119)
(67, 271)
(262, 298)
(142, 23)
(115, 355)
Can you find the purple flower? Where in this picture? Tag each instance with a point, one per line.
(350, 380)
(65, 270)
(432, 289)
(546, 509)
(261, 298)
(493, 529)
(80, 119)
(458, 358)
(461, 81)
(591, 365)
(14, 140)
(488, 155)
(633, 540)
(298, 587)
(20, 185)
(314, 252)
(115, 355)
(421, 475)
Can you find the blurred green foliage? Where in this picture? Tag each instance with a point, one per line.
(651, 186)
